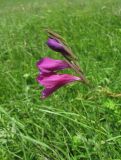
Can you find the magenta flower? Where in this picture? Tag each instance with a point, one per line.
(53, 81)
(48, 77)
(47, 65)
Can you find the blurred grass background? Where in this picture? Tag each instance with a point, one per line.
(76, 122)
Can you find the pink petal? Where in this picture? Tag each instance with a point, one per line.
(53, 81)
(47, 65)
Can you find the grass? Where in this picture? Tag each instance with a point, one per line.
(76, 122)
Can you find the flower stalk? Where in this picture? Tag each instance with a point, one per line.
(71, 59)
(48, 67)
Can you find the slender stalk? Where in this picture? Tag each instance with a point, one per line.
(69, 55)
(78, 72)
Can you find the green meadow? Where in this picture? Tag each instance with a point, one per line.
(77, 122)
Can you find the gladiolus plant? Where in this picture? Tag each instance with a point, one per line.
(48, 67)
